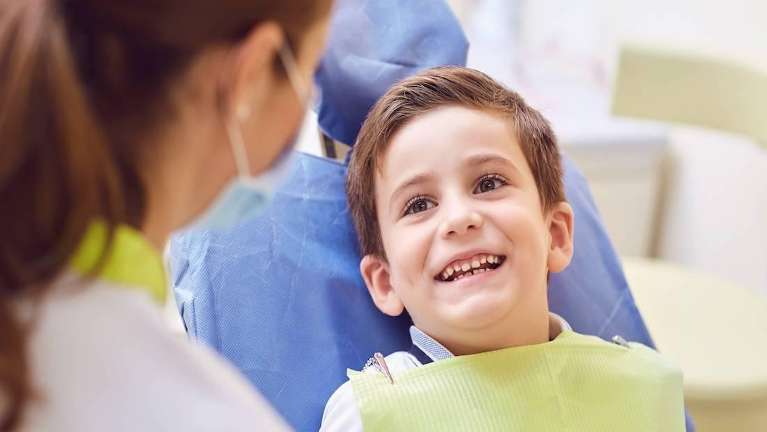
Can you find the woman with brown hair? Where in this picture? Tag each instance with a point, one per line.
(121, 121)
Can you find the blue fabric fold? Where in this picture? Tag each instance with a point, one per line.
(373, 44)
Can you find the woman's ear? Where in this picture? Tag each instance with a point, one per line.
(375, 272)
(561, 235)
(253, 72)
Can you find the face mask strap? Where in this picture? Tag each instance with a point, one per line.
(238, 147)
(295, 78)
(233, 125)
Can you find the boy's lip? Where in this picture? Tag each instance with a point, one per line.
(463, 256)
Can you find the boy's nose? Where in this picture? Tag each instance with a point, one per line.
(460, 221)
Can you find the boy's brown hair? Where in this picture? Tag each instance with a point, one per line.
(429, 90)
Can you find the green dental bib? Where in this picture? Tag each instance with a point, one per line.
(573, 383)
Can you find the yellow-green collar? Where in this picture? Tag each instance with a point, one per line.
(132, 261)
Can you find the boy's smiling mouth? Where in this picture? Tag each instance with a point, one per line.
(462, 268)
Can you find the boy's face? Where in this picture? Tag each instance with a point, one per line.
(468, 245)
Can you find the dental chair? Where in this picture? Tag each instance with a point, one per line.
(281, 296)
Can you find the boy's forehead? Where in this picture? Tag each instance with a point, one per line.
(443, 138)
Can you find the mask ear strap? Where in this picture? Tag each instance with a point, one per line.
(291, 68)
(233, 129)
(238, 147)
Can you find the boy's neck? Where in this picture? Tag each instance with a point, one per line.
(529, 328)
(538, 335)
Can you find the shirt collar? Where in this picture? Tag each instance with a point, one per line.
(436, 351)
(131, 262)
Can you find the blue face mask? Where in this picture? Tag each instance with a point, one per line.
(246, 195)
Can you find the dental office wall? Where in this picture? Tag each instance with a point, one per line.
(711, 199)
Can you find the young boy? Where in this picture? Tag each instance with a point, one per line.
(455, 188)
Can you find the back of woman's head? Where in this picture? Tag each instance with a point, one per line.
(79, 79)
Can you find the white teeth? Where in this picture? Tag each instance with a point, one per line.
(468, 268)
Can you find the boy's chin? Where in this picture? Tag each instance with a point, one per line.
(480, 311)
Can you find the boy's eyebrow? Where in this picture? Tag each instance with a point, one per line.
(483, 158)
(412, 181)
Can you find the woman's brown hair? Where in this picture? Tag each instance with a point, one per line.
(79, 80)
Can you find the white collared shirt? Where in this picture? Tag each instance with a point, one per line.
(341, 411)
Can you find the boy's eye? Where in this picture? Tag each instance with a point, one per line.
(489, 183)
(418, 204)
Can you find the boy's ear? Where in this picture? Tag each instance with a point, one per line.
(375, 272)
(561, 235)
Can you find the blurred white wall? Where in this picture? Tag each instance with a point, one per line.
(308, 139)
(733, 29)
